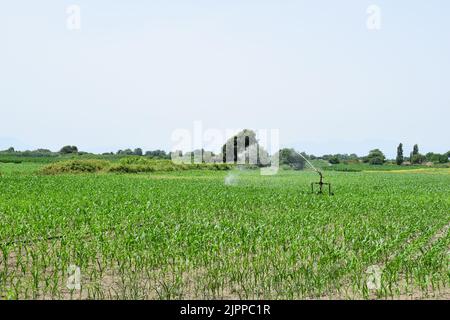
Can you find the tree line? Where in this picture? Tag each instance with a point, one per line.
(416, 157)
(231, 150)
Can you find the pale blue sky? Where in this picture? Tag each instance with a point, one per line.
(138, 70)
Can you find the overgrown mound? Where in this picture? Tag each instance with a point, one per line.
(136, 160)
(76, 166)
(141, 165)
(126, 165)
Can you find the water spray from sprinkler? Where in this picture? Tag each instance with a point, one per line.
(231, 179)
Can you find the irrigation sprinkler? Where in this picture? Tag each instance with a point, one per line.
(320, 183)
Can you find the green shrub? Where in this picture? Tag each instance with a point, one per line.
(376, 160)
(418, 159)
(127, 165)
(10, 161)
(131, 160)
(131, 168)
(334, 160)
(142, 165)
(342, 168)
(76, 166)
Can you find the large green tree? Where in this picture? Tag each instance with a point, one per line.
(437, 157)
(291, 158)
(68, 149)
(416, 157)
(237, 145)
(399, 159)
(376, 157)
(415, 150)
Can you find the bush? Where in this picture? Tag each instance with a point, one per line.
(10, 161)
(334, 160)
(342, 168)
(418, 158)
(126, 165)
(135, 160)
(436, 157)
(76, 166)
(143, 165)
(131, 168)
(376, 160)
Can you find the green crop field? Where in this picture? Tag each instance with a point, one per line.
(223, 234)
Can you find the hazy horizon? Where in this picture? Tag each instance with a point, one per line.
(135, 72)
